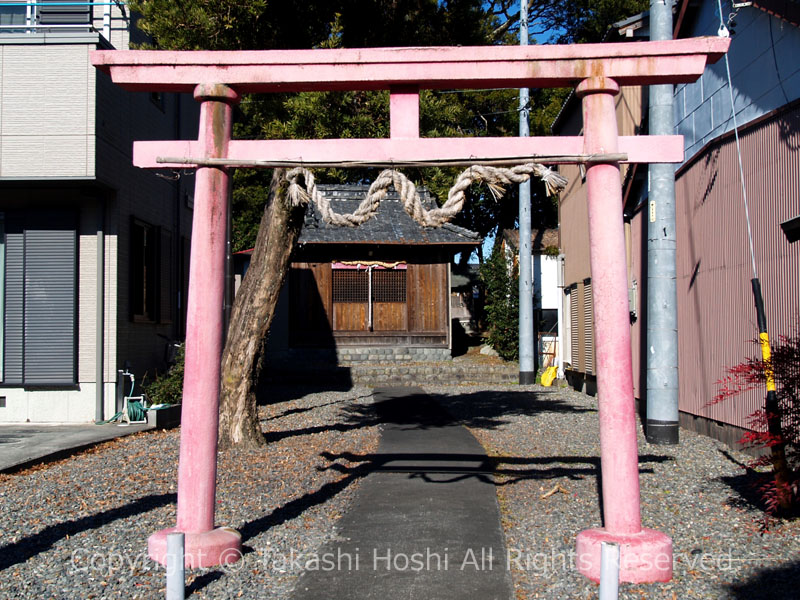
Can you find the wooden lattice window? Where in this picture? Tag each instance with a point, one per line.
(389, 285)
(350, 285)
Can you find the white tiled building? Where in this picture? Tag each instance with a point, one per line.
(93, 252)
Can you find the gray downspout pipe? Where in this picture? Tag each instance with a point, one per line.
(527, 370)
(229, 274)
(662, 311)
(100, 317)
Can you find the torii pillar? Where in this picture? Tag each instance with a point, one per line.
(216, 78)
(205, 544)
(645, 554)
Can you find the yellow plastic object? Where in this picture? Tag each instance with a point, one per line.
(549, 376)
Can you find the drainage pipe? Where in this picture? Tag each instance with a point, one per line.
(100, 317)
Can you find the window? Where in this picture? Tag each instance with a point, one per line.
(548, 321)
(17, 12)
(389, 285)
(40, 298)
(353, 285)
(574, 346)
(350, 285)
(21, 16)
(588, 327)
(371, 298)
(144, 271)
(153, 273)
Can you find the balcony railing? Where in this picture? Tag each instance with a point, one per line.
(42, 16)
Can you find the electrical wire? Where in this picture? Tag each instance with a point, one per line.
(723, 31)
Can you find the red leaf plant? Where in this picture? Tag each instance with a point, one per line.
(775, 426)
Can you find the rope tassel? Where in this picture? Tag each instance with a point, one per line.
(496, 178)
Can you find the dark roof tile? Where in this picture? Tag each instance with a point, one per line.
(391, 224)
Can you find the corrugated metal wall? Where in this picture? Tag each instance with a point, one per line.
(717, 320)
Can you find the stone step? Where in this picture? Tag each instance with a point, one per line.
(417, 374)
(405, 373)
(396, 354)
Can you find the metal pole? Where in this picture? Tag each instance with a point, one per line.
(662, 310)
(527, 369)
(176, 570)
(609, 571)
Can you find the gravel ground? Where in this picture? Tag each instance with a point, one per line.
(697, 493)
(78, 528)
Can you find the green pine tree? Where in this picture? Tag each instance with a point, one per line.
(501, 282)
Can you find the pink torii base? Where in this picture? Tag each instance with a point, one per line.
(218, 78)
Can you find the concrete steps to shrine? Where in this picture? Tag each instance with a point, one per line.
(394, 368)
(443, 373)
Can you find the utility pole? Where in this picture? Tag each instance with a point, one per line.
(662, 310)
(527, 372)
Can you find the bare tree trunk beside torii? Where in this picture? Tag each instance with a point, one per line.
(251, 317)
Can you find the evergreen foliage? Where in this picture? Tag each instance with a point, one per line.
(501, 285)
(167, 388)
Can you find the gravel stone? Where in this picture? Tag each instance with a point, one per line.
(698, 493)
(78, 528)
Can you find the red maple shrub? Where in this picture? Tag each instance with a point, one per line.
(775, 427)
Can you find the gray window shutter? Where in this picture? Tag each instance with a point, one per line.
(58, 13)
(588, 327)
(14, 297)
(50, 300)
(574, 333)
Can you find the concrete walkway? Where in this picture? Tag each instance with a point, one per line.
(425, 524)
(25, 445)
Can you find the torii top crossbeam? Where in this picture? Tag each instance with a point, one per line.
(261, 71)
(404, 71)
(217, 80)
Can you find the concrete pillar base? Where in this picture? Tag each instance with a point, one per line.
(644, 557)
(220, 546)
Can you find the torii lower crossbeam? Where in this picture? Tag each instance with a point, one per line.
(217, 79)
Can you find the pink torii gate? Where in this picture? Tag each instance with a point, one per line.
(597, 70)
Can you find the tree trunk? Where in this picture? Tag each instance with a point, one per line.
(252, 314)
